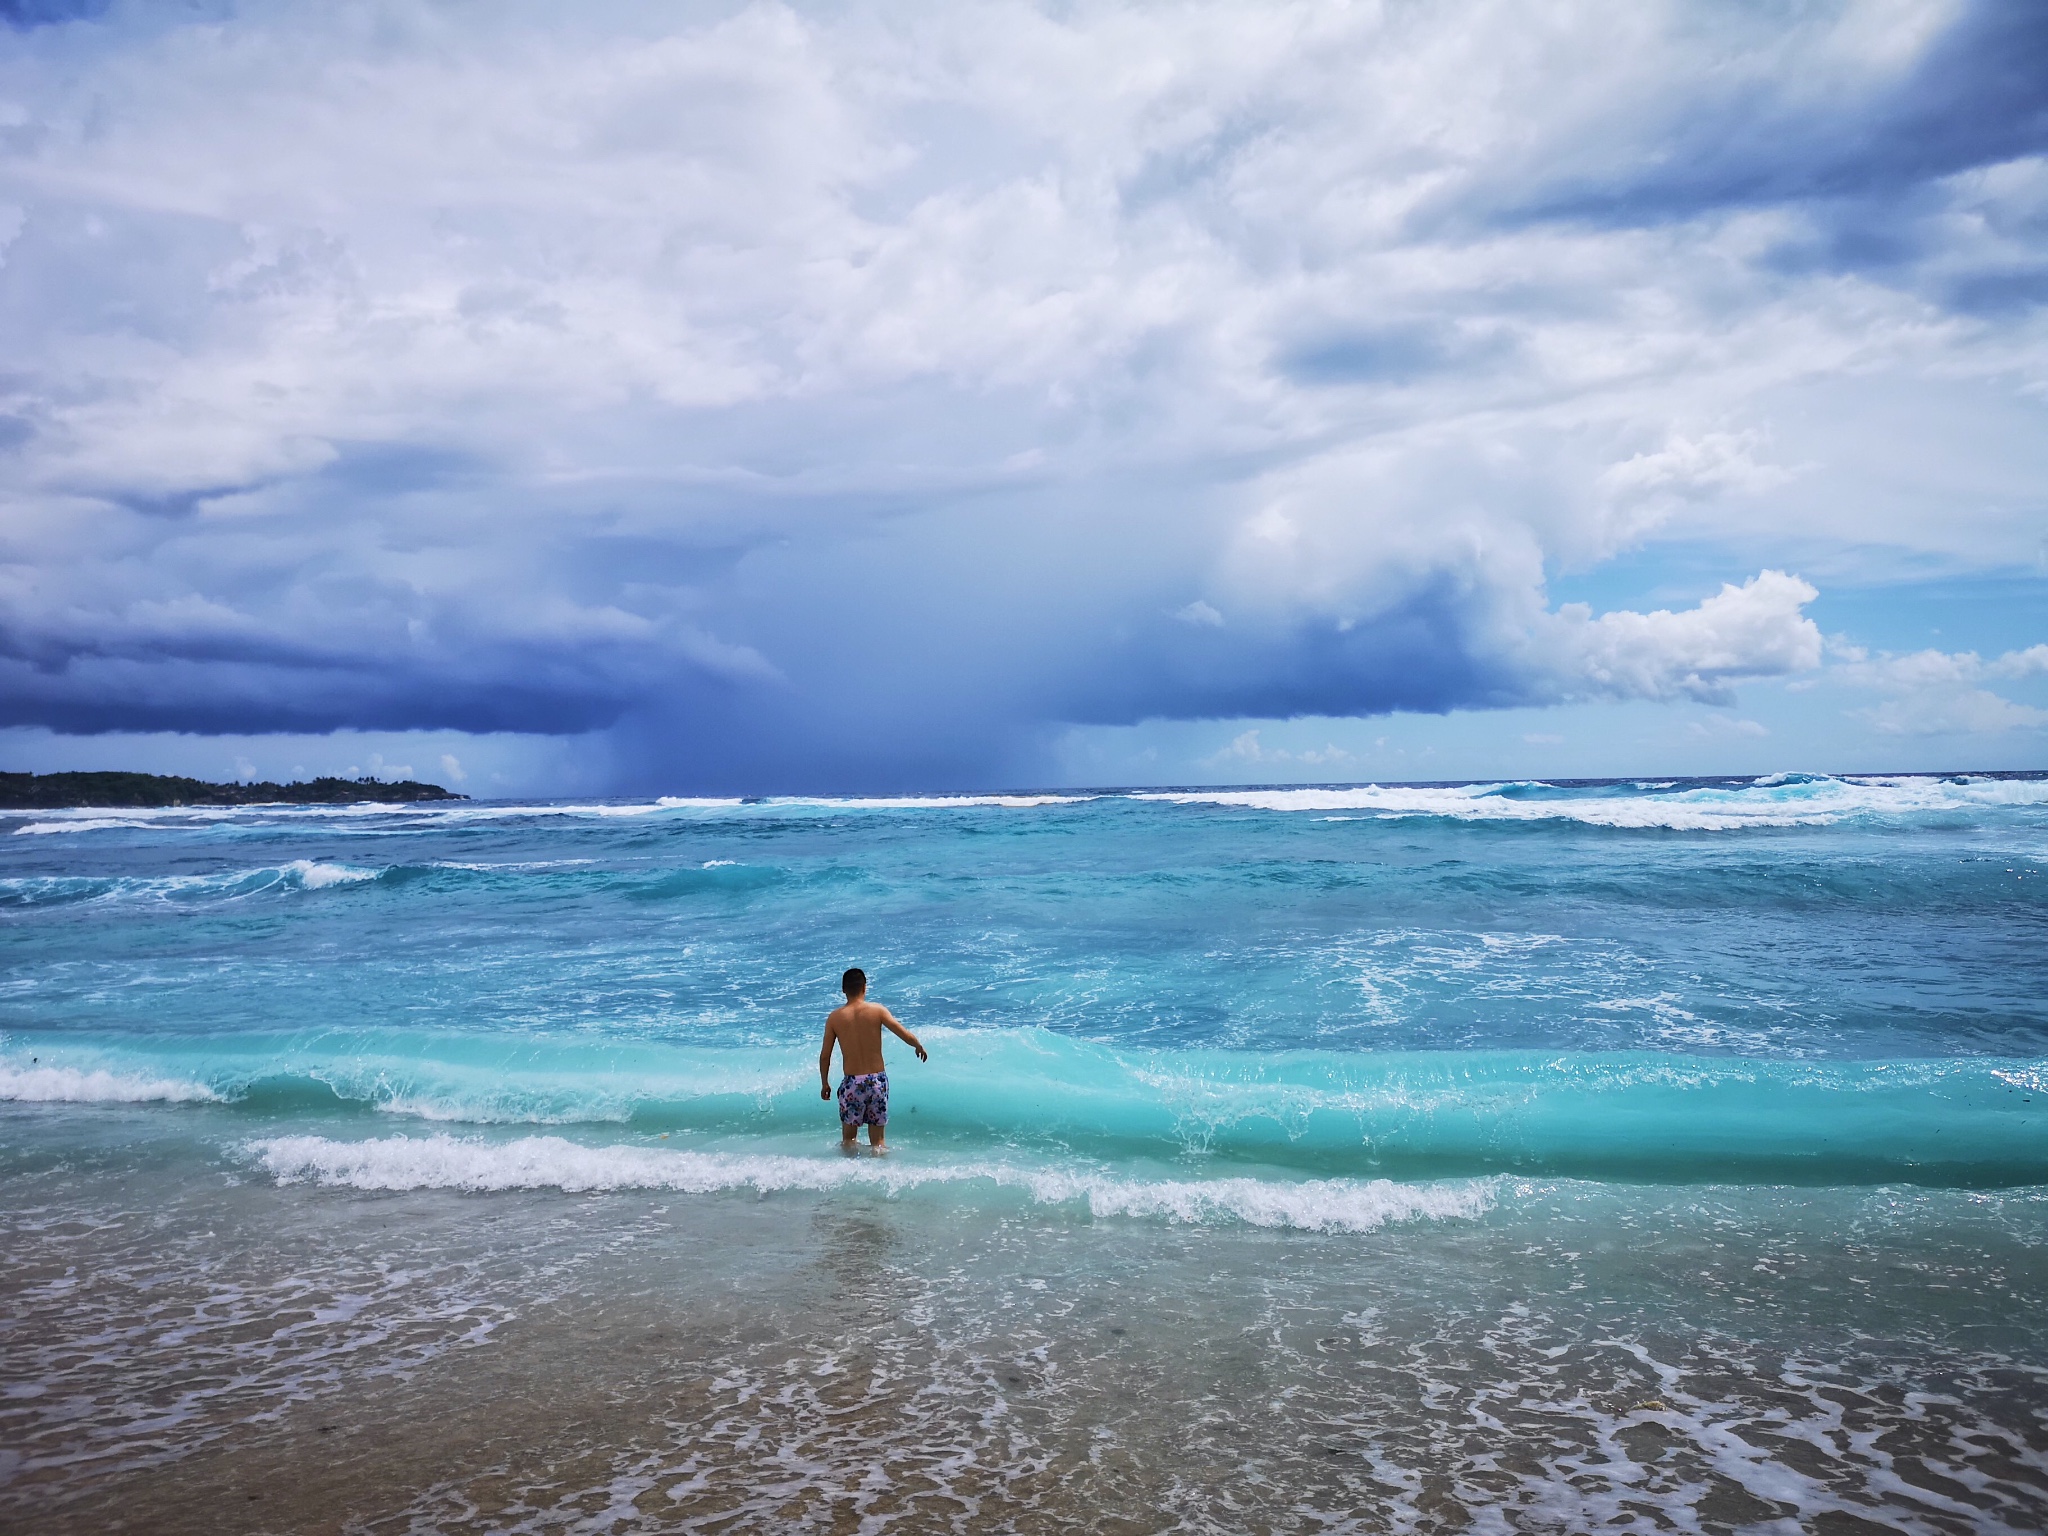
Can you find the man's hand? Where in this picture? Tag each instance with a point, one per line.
(825, 1091)
(920, 1053)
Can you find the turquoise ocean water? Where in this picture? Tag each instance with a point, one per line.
(1657, 1155)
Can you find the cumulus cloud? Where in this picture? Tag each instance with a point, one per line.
(1755, 630)
(1245, 749)
(1936, 693)
(863, 395)
(2031, 662)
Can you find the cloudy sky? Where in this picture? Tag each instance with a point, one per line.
(757, 397)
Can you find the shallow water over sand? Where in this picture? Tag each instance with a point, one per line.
(188, 1348)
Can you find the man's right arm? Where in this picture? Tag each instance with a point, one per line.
(903, 1034)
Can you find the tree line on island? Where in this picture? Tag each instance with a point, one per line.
(59, 791)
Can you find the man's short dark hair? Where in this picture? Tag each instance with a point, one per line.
(855, 980)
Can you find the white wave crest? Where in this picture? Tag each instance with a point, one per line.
(550, 1162)
(467, 811)
(936, 802)
(69, 1085)
(82, 824)
(311, 875)
(1485, 803)
(265, 813)
(471, 812)
(1782, 800)
(228, 884)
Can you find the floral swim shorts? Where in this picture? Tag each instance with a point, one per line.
(864, 1099)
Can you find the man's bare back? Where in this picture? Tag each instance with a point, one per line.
(856, 1026)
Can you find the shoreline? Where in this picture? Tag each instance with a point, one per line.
(330, 1360)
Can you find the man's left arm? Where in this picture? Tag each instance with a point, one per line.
(904, 1035)
(825, 1062)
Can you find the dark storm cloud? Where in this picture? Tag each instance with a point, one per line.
(1419, 655)
(1868, 166)
(23, 14)
(1977, 95)
(1998, 293)
(213, 683)
(97, 695)
(861, 399)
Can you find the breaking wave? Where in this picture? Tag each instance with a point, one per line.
(1776, 800)
(1631, 1115)
(1781, 800)
(36, 1084)
(296, 875)
(551, 1162)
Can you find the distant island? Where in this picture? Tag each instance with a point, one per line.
(57, 791)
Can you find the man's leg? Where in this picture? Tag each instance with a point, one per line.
(877, 1111)
(848, 1127)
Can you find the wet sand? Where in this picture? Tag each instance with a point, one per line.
(305, 1360)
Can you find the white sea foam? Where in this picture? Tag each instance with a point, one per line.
(463, 811)
(490, 867)
(77, 818)
(468, 811)
(1779, 800)
(1782, 800)
(377, 818)
(35, 1084)
(936, 802)
(195, 816)
(312, 875)
(99, 815)
(1485, 803)
(1317, 1205)
(81, 824)
(551, 1162)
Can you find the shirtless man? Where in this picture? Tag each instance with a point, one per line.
(864, 1090)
